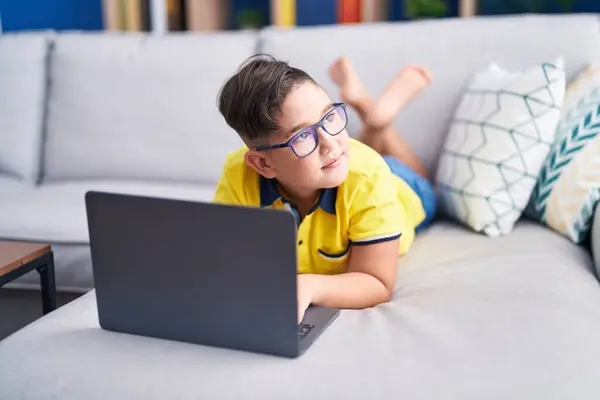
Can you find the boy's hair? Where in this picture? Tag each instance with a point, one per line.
(251, 100)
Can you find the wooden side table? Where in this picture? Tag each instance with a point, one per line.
(19, 258)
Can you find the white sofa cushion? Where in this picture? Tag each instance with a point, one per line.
(10, 183)
(23, 58)
(131, 106)
(56, 213)
(471, 318)
(453, 49)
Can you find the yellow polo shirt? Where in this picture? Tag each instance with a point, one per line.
(372, 205)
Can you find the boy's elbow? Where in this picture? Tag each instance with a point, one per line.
(387, 291)
(388, 294)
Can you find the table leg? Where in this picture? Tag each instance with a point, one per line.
(46, 271)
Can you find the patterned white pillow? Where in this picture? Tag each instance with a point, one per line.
(501, 133)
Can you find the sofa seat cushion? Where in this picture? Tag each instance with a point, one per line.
(472, 318)
(56, 212)
(8, 183)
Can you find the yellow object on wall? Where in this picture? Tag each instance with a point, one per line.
(283, 13)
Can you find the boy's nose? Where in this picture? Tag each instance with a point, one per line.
(328, 142)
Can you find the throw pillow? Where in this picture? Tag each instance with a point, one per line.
(568, 188)
(500, 135)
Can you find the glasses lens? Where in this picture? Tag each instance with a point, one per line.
(305, 142)
(335, 121)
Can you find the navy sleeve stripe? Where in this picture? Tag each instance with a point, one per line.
(377, 239)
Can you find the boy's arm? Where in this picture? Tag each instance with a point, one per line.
(375, 231)
(369, 281)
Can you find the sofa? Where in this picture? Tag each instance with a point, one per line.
(472, 317)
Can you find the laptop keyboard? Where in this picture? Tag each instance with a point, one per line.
(304, 329)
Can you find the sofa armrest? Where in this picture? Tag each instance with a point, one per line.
(595, 239)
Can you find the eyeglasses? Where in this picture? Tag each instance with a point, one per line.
(306, 141)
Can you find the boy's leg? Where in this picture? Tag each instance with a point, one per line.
(355, 94)
(407, 84)
(381, 136)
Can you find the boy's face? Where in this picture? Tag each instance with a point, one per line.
(327, 166)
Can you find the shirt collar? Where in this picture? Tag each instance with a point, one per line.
(269, 194)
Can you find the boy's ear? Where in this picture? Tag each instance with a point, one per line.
(260, 163)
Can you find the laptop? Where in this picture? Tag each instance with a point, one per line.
(204, 273)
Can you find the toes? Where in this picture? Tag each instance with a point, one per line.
(335, 74)
(337, 71)
(424, 72)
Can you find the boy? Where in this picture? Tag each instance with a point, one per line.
(356, 210)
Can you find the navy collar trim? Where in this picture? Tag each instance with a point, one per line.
(269, 194)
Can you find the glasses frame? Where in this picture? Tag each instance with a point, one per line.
(314, 132)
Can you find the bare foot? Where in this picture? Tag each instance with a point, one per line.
(404, 87)
(344, 75)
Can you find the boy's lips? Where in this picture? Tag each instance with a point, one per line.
(335, 162)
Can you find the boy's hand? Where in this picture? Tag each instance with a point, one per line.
(369, 281)
(306, 292)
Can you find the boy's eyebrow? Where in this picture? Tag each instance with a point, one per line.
(305, 124)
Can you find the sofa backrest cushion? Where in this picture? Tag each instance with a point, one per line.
(23, 59)
(140, 107)
(452, 49)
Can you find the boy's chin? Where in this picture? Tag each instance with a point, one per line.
(334, 178)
